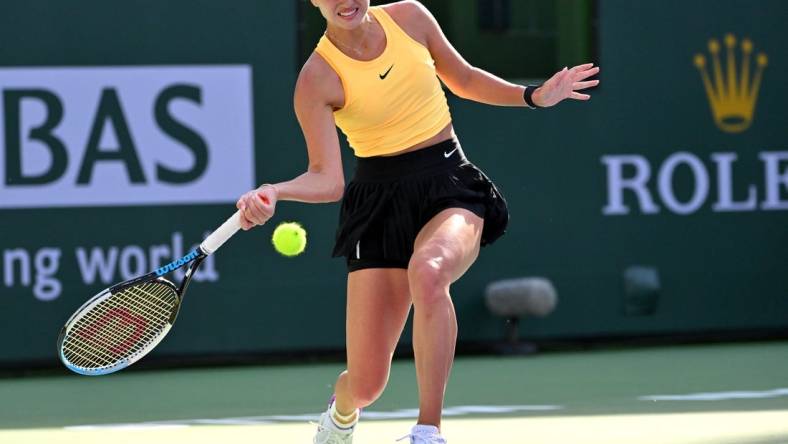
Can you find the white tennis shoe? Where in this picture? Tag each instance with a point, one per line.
(424, 434)
(330, 433)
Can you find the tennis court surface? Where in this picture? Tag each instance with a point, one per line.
(726, 394)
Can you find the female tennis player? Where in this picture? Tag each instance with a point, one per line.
(416, 211)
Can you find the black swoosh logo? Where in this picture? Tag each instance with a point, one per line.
(385, 74)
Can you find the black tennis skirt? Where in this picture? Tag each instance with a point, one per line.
(391, 198)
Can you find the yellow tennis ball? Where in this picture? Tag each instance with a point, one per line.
(289, 239)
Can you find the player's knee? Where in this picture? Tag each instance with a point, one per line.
(429, 276)
(367, 390)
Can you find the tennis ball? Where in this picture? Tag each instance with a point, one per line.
(289, 239)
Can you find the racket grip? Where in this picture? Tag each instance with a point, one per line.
(220, 236)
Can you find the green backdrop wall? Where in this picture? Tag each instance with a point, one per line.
(720, 250)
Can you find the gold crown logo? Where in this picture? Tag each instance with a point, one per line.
(732, 97)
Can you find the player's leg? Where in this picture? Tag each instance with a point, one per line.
(444, 250)
(378, 302)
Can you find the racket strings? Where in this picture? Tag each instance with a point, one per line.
(103, 349)
(116, 333)
(121, 325)
(127, 325)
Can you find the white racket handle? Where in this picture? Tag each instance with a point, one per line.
(220, 236)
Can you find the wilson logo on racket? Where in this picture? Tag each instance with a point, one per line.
(122, 323)
(176, 264)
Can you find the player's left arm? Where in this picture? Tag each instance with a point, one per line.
(472, 83)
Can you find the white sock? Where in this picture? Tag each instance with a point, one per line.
(342, 422)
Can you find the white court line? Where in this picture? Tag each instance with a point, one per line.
(457, 411)
(719, 396)
(374, 415)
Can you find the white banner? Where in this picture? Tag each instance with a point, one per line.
(152, 135)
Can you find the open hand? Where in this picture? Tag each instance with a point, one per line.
(564, 85)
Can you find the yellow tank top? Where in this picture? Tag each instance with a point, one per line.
(392, 102)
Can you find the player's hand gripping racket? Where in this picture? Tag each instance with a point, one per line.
(121, 324)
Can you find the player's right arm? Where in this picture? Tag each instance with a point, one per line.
(318, 92)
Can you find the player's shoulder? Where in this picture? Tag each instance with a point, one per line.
(318, 80)
(315, 68)
(413, 17)
(408, 12)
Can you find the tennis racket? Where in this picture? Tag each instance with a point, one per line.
(122, 323)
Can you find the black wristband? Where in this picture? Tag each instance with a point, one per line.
(527, 93)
